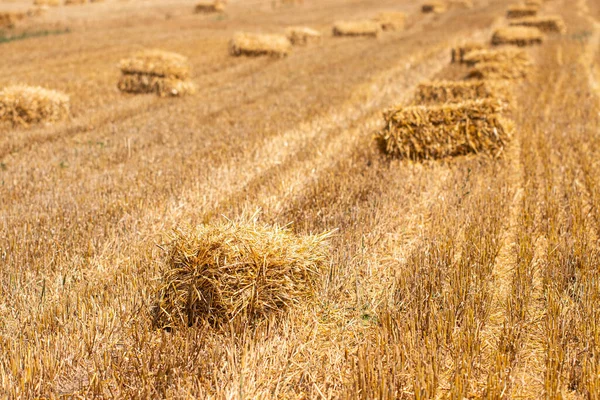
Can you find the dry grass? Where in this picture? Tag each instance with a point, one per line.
(458, 91)
(517, 36)
(302, 36)
(546, 23)
(357, 28)
(237, 271)
(424, 132)
(391, 20)
(500, 55)
(25, 105)
(458, 53)
(520, 11)
(258, 44)
(436, 7)
(207, 7)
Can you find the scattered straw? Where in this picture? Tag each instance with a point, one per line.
(459, 52)
(436, 7)
(207, 7)
(356, 28)
(501, 55)
(391, 20)
(520, 11)
(458, 91)
(499, 70)
(518, 36)
(24, 105)
(226, 271)
(255, 44)
(550, 23)
(301, 36)
(424, 132)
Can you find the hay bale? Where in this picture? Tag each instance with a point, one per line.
(50, 3)
(459, 52)
(502, 55)
(157, 63)
(391, 20)
(458, 91)
(499, 70)
(74, 2)
(9, 19)
(548, 24)
(357, 28)
(520, 11)
(141, 83)
(436, 7)
(24, 105)
(301, 36)
(208, 7)
(256, 44)
(432, 132)
(227, 271)
(517, 36)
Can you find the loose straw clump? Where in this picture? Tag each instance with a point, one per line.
(436, 7)
(391, 20)
(549, 24)
(357, 28)
(156, 71)
(459, 52)
(301, 36)
(520, 11)
(432, 132)
(226, 271)
(24, 105)
(429, 93)
(256, 44)
(517, 36)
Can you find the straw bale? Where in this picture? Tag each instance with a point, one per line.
(502, 55)
(518, 36)
(499, 70)
(24, 105)
(51, 3)
(237, 271)
(9, 19)
(459, 52)
(437, 92)
(436, 7)
(157, 63)
(520, 11)
(256, 44)
(391, 20)
(357, 28)
(301, 36)
(206, 7)
(431, 132)
(549, 24)
(142, 83)
(75, 2)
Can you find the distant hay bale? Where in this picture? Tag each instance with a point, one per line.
(207, 7)
(517, 36)
(156, 71)
(357, 28)
(437, 92)
(533, 3)
(10, 19)
(436, 7)
(459, 52)
(502, 55)
(256, 44)
(499, 70)
(433, 132)
(520, 11)
(230, 271)
(548, 24)
(301, 36)
(24, 105)
(391, 20)
(74, 2)
(50, 3)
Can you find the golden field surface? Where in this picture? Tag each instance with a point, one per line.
(468, 277)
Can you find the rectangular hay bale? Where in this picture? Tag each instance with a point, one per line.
(437, 92)
(547, 23)
(143, 83)
(499, 71)
(459, 52)
(517, 36)
(520, 11)
(433, 132)
(158, 63)
(301, 36)
(357, 28)
(208, 7)
(436, 7)
(500, 55)
(257, 44)
(24, 105)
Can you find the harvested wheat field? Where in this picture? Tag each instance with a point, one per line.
(274, 236)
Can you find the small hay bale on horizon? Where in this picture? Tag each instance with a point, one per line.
(259, 44)
(391, 20)
(301, 36)
(24, 105)
(459, 52)
(9, 19)
(499, 71)
(546, 24)
(208, 7)
(230, 271)
(520, 11)
(436, 7)
(517, 36)
(502, 55)
(74, 2)
(437, 92)
(357, 28)
(156, 71)
(440, 131)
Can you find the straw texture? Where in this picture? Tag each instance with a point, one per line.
(24, 105)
